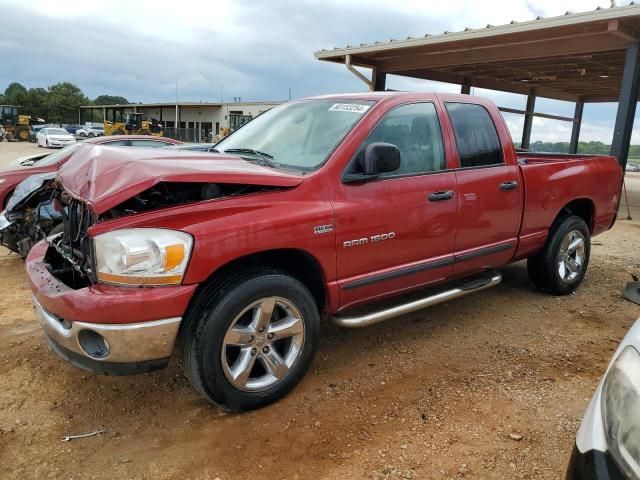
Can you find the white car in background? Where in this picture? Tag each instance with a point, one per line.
(90, 132)
(54, 137)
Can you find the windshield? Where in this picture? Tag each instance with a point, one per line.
(59, 155)
(56, 131)
(298, 135)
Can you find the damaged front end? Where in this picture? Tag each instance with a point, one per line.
(33, 213)
(71, 255)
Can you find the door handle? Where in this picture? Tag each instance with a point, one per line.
(511, 185)
(440, 196)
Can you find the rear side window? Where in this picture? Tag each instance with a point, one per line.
(476, 135)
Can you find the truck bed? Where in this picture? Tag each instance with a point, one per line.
(550, 178)
(529, 158)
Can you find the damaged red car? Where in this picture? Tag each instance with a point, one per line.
(318, 208)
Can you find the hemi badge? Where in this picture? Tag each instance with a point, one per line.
(322, 229)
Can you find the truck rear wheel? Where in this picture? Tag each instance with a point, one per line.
(249, 341)
(562, 264)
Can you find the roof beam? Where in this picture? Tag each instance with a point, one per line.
(578, 44)
(492, 84)
(618, 28)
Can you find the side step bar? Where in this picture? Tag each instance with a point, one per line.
(488, 281)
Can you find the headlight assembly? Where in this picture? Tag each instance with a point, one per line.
(142, 256)
(621, 411)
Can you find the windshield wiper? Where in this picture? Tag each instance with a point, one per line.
(265, 157)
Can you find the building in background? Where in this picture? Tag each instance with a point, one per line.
(196, 121)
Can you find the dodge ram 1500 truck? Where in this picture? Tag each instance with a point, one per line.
(320, 207)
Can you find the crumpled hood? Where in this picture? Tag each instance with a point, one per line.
(27, 187)
(104, 176)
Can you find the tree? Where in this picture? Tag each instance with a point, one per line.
(15, 94)
(63, 102)
(35, 103)
(110, 100)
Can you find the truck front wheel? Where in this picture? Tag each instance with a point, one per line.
(561, 265)
(249, 341)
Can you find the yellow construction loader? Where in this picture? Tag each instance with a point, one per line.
(134, 125)
(15, 126)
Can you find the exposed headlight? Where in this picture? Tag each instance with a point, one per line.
(142, 256)
(621, 411)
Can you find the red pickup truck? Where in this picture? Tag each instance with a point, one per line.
(314, 208)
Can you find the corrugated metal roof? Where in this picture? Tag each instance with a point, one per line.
(569, 18)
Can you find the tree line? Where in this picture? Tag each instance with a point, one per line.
(57, 103)
(594, 147)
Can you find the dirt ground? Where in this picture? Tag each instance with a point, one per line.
(434, 394)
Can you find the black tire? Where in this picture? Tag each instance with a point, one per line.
(544, 268)
(22, 134)
(90, 135)
(211, 316)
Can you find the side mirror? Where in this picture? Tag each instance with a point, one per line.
(380, 157)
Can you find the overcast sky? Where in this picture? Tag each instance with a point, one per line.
(250, 49)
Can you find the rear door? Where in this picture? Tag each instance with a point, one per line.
(397, 232)
(489, 188)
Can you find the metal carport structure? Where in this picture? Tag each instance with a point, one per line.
(577, 57)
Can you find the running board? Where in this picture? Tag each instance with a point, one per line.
(487, 281)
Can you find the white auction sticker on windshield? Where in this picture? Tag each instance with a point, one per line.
(349, 107)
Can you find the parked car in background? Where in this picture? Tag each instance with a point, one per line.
(317, 207)
(633, 167)
(608, 441)
(30, 213)
(90, 131)
(33, 132)
(196, 147)
(10, 177)
(72, 129)
(54, 137)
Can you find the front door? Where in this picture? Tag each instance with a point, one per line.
(397, 232)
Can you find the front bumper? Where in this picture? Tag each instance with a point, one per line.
(135, 328)
(127, 343)
(592, 465)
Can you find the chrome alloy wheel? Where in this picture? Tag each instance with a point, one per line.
(262, 344)
(571, 256)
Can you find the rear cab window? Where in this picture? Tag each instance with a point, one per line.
(149, 143)
(475, 134)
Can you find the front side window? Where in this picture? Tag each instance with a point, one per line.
(476, 135)
(298, 135)
(415, 130)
